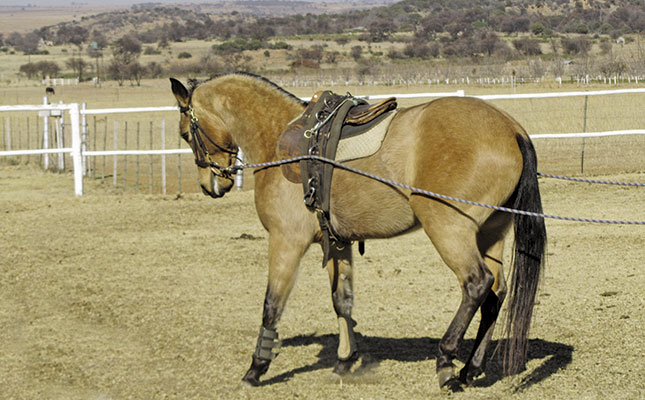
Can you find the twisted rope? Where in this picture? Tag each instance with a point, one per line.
(569, 178)
(336, 164)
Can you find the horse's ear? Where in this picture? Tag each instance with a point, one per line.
(180, 92)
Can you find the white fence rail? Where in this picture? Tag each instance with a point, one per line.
(78, 152)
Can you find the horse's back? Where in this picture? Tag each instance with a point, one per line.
(462, 147)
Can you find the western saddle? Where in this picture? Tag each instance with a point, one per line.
(328, 118)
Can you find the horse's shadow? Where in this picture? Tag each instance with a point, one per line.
(373, 350)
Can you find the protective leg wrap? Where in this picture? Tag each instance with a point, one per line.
(346, 341)
(268, 344)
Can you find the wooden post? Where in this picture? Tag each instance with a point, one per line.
(584, 130)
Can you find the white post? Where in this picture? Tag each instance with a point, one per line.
(61, 139)
(163, 157)
(84, 138)
(45, 134)
(77, 152)
(8, 132)
(115, 147)
(239, 176)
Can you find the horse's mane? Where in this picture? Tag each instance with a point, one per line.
(195, 83)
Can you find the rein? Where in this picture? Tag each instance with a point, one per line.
(202, 156)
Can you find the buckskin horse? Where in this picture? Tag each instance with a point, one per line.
(456, 146)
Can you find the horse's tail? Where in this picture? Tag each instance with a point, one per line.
(528, 259)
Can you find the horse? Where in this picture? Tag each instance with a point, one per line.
(49, 90)
(456, 146)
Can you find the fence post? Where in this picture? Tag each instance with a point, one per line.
(584, 130)
(45, 134)
(77, 151)
(151, 163)
(163, 157)
(116, 131)
(7, 131)
(84, 137)
(239, 175)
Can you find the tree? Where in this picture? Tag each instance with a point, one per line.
(117, 71)
(381, 29)
(527, 46)
(135, 72)
(98, 40)
(78, 65)
(537, 29)
(28, 43)
(73, 34)
(125, 51)
(47, 68)
(342, 41)
(29, 69)
(356, 52)
(489, 43)
(154, 69)
(579, 45)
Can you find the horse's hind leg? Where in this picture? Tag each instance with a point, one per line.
(491, 306)
(340, 268)
(284, 257)
(455, 238)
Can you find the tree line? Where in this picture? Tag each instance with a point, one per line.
(435, 28)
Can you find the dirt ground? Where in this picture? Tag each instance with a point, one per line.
(124, 296)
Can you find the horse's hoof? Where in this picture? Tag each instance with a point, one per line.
(250, 381)
(445, 375)
(343, 367)
(467, 377)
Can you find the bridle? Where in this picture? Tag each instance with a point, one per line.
(202, 156)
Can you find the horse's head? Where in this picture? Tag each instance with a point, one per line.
(212, 146)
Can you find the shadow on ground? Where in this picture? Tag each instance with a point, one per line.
(373, 350)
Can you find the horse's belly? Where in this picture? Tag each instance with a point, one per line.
(362, 208)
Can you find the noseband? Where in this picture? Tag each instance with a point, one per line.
(202, 156)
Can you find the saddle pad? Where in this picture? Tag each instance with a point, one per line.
(365, 144)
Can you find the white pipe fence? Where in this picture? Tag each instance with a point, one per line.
(78, 150)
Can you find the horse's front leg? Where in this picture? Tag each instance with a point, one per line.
(284, 258)
(340, 268)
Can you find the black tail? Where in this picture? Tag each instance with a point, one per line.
(528, 259)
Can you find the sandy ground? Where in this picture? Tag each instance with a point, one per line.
(112, 296)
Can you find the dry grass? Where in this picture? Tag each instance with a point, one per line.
(25, 19)
(132, 296)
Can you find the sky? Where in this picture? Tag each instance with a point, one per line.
(44, 3)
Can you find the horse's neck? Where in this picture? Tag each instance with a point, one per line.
(255, 122)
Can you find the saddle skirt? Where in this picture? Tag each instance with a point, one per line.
(362, 130)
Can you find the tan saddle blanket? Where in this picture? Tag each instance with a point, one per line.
(363, 130)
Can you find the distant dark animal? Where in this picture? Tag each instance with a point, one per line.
(49, 90)
(456, 146)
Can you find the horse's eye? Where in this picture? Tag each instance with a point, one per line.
(184, 135)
